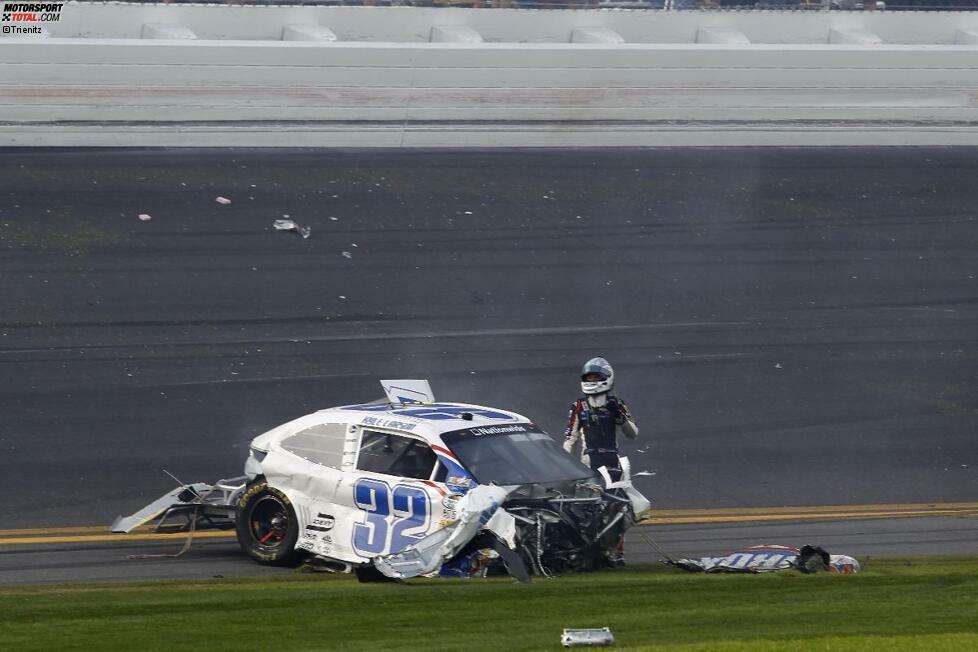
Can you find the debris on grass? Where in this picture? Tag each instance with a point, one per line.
(587, 637)
(767, 558)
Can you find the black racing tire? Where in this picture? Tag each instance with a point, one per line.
(266, 525)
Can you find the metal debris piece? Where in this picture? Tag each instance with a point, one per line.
(145, 217)
(290, 225)
(768, 558)
(347, 254)
(587, 637)
(474, 510)
(222, 200)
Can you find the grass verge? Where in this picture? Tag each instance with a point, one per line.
(914, 604)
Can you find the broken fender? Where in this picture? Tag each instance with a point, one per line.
(477, 509)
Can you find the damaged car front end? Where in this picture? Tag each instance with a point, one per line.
(525, 530)
(533, 498)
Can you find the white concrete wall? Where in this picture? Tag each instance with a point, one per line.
(131, 91)
(408, 24)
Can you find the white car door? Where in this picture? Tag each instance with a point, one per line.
(392, 495)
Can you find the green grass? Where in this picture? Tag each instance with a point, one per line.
(921, 604)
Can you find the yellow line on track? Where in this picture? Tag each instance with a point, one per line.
(100, 534)
(822, 512)
(47, 530)
(115, 538)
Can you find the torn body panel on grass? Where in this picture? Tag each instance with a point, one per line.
(768, 558)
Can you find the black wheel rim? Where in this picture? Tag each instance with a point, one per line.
(269, 522)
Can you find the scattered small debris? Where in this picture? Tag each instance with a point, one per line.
(290, 225)
(222, 200)
(145, 217)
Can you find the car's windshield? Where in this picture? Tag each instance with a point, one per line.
(516, 454)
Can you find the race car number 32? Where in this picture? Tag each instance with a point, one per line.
(394, 519)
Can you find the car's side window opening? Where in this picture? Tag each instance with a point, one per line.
(384, 452)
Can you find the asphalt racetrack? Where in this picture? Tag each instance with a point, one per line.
(789, 327)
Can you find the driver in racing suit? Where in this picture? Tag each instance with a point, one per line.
(597, 416)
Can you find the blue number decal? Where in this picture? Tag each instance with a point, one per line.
(372, 496)
(409, 507)
(410, 513)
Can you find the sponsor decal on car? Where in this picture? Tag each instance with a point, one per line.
(499, 430)
(388, 423)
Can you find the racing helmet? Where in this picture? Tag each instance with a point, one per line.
(597, 376)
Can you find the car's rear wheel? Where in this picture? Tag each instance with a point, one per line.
(266, 525)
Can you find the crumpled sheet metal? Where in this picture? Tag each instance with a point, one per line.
(475, 510)
(156, 508)
(640, 504)
(769, 558)
(291, 225)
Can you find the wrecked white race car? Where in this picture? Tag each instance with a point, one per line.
(409, 487)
